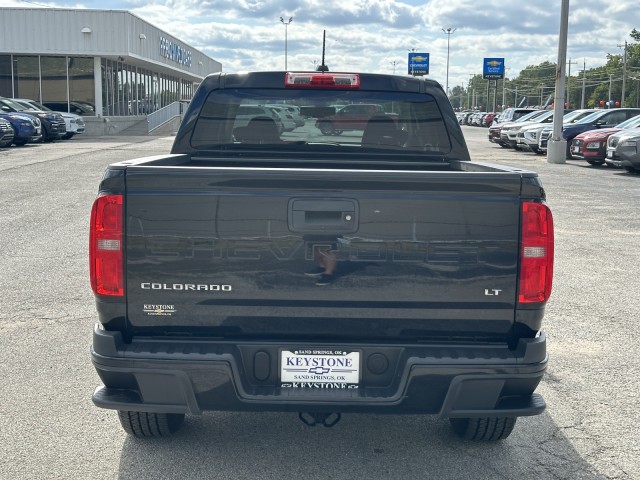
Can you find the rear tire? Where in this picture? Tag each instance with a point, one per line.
(326, 128)
(483, 429)
(145, 424)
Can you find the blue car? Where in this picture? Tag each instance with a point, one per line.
(26, 128)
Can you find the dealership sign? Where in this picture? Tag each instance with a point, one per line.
(175, 52)
(493, 69)
(418, 63)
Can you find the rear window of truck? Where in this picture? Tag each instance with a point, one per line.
(312, 120)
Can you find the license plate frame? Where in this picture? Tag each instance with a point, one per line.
(320, 368)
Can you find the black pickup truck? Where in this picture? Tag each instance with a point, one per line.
(380, 271)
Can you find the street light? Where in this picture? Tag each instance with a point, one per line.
(448, 32)
(286, 24)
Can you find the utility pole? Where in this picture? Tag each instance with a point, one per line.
(624, 72)
(584, 81)
(568, 82)
(557, 146)
(610, 80)
(394, 63)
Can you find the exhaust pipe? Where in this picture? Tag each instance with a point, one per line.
(312, 419)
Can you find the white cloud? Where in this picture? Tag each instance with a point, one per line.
(372, 35)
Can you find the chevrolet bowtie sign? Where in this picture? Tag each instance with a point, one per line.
(418, 64)
(493, 69)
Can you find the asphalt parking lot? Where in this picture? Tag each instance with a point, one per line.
(50, 429)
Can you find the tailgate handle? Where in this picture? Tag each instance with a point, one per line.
(309, 215)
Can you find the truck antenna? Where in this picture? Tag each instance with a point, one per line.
(322, 67)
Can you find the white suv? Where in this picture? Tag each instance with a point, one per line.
(74, 123)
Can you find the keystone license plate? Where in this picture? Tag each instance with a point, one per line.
(319, 368)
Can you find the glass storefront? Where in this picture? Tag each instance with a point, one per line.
(126, 89)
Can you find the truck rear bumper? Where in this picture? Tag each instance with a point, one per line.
(164, 376)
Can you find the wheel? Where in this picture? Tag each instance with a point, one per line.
(535, 150)
(47, 136)
(595, 162)
(326, 128)
(68, 135)
(6, 144)
(19, 143)
(144, 424)
(483, 429)
(630, 169)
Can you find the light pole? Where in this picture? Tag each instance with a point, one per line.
(448, 32)
(412, 50)
(286, 25)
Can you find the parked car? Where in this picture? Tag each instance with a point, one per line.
(349, 117)
(53, 125)
(246, 113)
(528, 136)
(512, 114)
(613, 158)
(288, 122)
(629, 152)
(509, 134)
(592, 145)
(79, 108)
(495, 130)
(508, 130)
(6, 133)
(487, 120)
(293, 111)
(26, 128)
(598, 119)
(74, 123)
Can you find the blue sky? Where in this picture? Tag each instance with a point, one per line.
(376, 35)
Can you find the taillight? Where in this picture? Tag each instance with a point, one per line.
(105, 246)
(322, 80)
(536, 253)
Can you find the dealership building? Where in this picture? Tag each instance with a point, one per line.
(108, 65)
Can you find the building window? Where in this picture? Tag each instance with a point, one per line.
(54, 79)
(6, 87)
(81, 83)
(26, 77)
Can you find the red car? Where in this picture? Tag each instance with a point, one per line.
(592, 145)
(487, 120)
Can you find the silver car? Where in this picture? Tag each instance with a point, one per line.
(623, 150)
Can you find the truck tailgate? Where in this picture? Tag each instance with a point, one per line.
(226, 251)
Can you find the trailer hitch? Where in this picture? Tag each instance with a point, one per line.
(319, 418)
